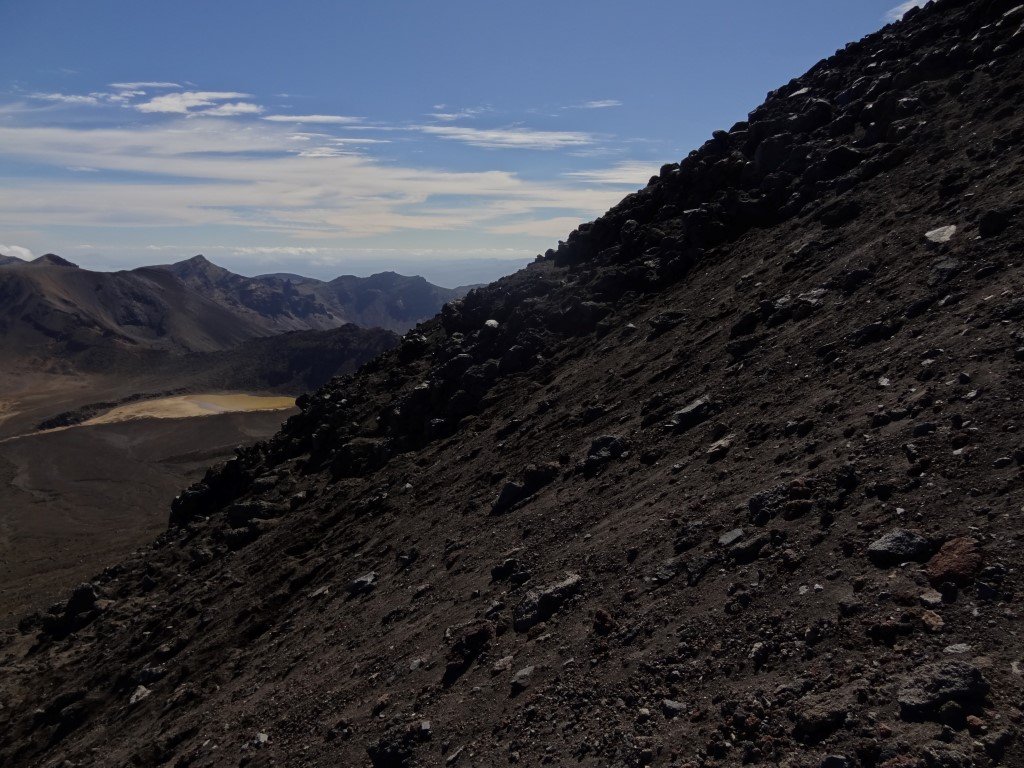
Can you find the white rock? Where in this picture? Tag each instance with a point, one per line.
(139, 694)
(958, 648)
(941, 234)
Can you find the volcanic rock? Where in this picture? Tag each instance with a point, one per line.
(898, 546)
(957, 561)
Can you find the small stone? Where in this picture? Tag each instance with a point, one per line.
(540, 604)
(818, 717)
(958, 648)
(139, 694)
(504, 664)
(958, 560)
(698, 411)
(927, 689)
(720, 448)
(931, 598)
(932, 621)
(729, 538)
(364, 584)
(671, 708)
(898, 546)
(521, 679)
(941, 234)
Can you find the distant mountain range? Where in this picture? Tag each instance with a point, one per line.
(292, 302)
(50, 307)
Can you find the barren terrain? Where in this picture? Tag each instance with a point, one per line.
(76, 500)
(732, 476)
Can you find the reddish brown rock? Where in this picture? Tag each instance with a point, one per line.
(957, 561)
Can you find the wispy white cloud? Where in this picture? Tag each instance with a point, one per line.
(509, 138)
(895, 14)
(459, 114)
(67, 98)
(231, 109)
(600, 104)
(318, 119)
(552, 228)
(17, 251)
(258, 176)
(181, 103)
(622, 174)
(143, 86)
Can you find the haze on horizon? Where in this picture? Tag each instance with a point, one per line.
(453, 140)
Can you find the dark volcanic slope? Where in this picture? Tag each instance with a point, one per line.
(730, 477)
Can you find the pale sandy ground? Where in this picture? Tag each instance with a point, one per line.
(186, 406)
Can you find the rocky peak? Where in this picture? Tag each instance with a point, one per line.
(53, 260)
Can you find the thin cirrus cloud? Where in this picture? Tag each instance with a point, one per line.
(183, 102)
(446, 116)
(509, 138)
(232, 109)
(263, 177)
(68, 98)
(290, 179)
(600, 104)
(143, 86)
(314, 119)
(621, 174)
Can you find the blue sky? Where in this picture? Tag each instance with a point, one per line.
(323, 137)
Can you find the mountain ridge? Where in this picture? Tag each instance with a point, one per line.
(53, 308)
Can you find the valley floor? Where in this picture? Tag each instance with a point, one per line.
(66, 511)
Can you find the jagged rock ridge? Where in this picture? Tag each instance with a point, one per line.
(730, 477)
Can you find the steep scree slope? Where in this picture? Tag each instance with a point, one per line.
(732, 476)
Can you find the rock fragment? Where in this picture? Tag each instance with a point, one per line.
(540, 604)
(957, 561)
(941, 235)
(696, 412)
(898, 546)
(927, 689)
(363, 585)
